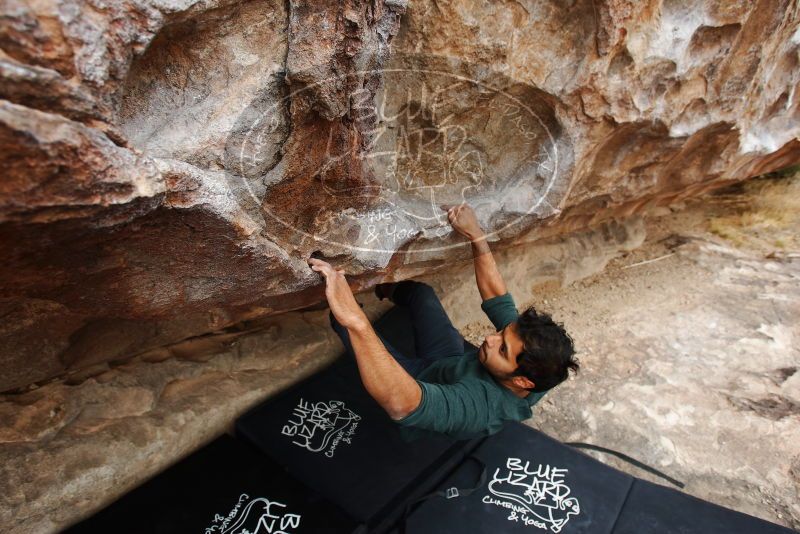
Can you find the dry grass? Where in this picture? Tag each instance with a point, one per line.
(767, 215)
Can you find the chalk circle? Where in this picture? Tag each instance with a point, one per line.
(436, 137)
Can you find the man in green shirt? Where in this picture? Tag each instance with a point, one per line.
(445, 389)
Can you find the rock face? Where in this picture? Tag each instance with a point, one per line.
(687, 346)
(68, 448)
(169, 165)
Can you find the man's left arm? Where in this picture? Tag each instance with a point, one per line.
(385, 380)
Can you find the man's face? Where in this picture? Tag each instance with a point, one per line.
(499, 351)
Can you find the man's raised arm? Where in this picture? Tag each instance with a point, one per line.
(385, 380)
(463, 220)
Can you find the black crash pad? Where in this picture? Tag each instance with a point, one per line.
(330, 434)
(532, 483)
(225, 487)
(535, 483)
(657, 509)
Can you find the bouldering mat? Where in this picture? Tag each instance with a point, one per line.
(524, 481)
(654, 508)
(521, 480)
(330, 434)
(223, 488)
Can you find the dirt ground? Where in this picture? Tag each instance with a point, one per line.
(688, 350)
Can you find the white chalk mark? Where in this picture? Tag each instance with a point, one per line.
(258, 516)
(535, 496)
(321, 425)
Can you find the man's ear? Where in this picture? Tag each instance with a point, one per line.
(523, 382)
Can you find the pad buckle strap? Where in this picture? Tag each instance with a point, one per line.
(451, 493)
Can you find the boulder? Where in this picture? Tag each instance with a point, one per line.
(171, 164)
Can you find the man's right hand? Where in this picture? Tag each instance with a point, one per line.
(463, 220)
(340, 297)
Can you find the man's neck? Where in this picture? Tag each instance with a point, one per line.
(513, 388)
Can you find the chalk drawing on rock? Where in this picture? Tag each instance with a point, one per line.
(432, 133)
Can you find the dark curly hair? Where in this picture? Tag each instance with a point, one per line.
(547, 351)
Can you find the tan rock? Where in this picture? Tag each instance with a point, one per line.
(169, 166)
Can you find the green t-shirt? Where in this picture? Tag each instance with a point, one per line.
(460, 398)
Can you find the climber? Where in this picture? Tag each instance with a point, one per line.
(446, 389)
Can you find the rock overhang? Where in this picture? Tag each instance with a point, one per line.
(169, 178)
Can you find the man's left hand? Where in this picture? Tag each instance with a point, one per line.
(340, 297)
